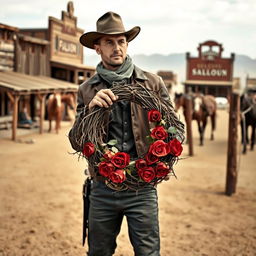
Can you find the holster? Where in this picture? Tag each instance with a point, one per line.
(86, 202)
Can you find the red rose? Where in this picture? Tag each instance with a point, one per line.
(117, 176)
(140, 164)
(159, 148)
(147, 174)
(105, 169)
(88, 149)
(108, 155)
(159, 133)
(175, 147)
(120, 159)
(151, 159)
(161, 170)
(154, 116)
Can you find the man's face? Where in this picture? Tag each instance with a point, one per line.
(112, 50)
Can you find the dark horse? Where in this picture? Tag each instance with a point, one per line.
(55, 108)
(203, 106)
(248, 118)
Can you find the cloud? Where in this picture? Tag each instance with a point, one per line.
(167, 25)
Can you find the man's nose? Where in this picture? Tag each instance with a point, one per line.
(116, 46)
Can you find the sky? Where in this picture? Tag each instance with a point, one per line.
(167, 26)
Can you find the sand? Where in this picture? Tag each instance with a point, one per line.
(41, 200)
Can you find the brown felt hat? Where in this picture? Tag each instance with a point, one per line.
(108, 24)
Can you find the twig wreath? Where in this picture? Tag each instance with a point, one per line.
(165, 141)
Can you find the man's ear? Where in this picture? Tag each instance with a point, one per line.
(97, 49)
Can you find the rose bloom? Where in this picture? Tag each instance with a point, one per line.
(154, 116)
(147, 174)
(88, 149)
(161, 170)
(159, 148)
(120, 159)
(118, 176)
(105, 169)
(159, 133)
(151, 159)
(141, 163)
(108, 155)
(175, 147)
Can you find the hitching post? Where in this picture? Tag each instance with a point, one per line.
(188, 118)
(231, 177)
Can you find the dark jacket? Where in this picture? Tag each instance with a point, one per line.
(140, 124)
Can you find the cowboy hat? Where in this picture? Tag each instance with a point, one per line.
(108, 24)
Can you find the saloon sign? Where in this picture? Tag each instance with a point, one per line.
(209, 65)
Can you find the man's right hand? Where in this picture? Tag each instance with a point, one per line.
(103, 98)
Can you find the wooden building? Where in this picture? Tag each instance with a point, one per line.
(65, 51)
(210, 73)
(22, 54)
(169, 78)
(250, 84)
(24, 80)
(18, 87)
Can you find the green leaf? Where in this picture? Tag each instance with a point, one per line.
(150, 139)
(112, 142)
(114, 149)
(103, 144)
(128, 171)
(172, 130)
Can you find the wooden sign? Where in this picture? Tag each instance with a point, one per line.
(209, 65)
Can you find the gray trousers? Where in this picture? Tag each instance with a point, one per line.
(107, 209)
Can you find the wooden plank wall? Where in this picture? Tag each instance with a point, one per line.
(6, 55)
(32, 59)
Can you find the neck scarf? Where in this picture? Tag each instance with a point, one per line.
(123, 73)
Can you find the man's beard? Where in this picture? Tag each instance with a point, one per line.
(115, 65)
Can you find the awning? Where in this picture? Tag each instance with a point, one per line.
(208, 82)
(72, 65)
(21, 84)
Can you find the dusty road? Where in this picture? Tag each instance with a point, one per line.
(41, 203)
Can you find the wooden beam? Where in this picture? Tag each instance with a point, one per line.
(11, 97)
(188, 118)
(231, 177)
(41, 98)
(15, 102)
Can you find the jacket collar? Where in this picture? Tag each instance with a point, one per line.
(138, 75)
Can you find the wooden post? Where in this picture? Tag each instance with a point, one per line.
(231, 178)
(15, 102)
(188, 118)
(41, 98)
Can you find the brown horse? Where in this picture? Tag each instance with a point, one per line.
(55, 107)
(248, 118)
(203, 106)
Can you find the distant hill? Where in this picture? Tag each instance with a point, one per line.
(176, 62)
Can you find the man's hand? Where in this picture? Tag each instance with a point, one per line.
(103, 98)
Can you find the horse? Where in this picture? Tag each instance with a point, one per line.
(55, 108)
(204, 106)
(248, 118)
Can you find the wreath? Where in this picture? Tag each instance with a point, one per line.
(165, 141)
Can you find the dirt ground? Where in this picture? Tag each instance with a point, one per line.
(41, 200)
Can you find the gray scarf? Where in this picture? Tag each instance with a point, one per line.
(124, 72)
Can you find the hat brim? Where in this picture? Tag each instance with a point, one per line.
(88, 39)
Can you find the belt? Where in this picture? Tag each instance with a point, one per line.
(99, 178)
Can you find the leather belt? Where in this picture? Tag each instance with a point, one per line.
(99, 178)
